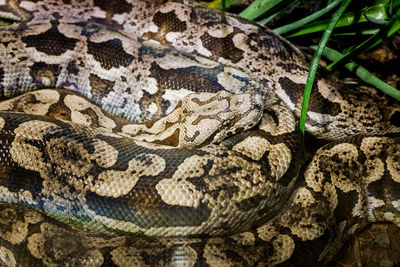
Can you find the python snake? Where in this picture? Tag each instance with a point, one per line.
(149, 133)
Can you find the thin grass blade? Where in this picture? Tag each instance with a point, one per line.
(314, 65)
(259, 7)
(362, 73)
(295, 25)
(392, 26)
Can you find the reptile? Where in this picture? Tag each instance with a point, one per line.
(151, 133)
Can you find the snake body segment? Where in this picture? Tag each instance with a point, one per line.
(162, 132)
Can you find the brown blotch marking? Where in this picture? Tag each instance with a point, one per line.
(22, 59)
(72, 68)
(201, 117)
(8, 215)
(40, 71)
(1, 74)
(166, 22)
(59, 111)
(223, 47)
(291, 67)
(93, 115)
(18, 179)
(196, 134)
(157, 98)
(192, 79)
(172, 140)
(268, 46)
(317, 102)
(26, 100)
(113, 7)
(110, 53)
(273, 115)
(207, 101)
(144, 209)
(100, 87)
(21, 27)
(51, 42)
(5, 175)
(395, 119)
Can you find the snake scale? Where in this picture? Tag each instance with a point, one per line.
(150, 133)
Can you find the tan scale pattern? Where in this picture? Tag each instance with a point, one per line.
(114, 183)
(372, 147)
(202, 118)
(31, 130)
(285, 124)
(245, 238)
(283, 248)
(304, 227)
(77, 104)
(283, 245)
(2, 123)
(25, 103)
(7, 257)
(393, 162)
(59, 150)
(279, 155)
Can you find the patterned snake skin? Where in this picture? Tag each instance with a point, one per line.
(158, 133)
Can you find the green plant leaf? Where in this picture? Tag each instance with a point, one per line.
(221, 3)
(362, 73)
(392, 26)
(308, 19)
(259, 7)
(314, 64)
(279, 12)
(348, 19)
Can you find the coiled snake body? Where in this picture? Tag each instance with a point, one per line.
(194, 156)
